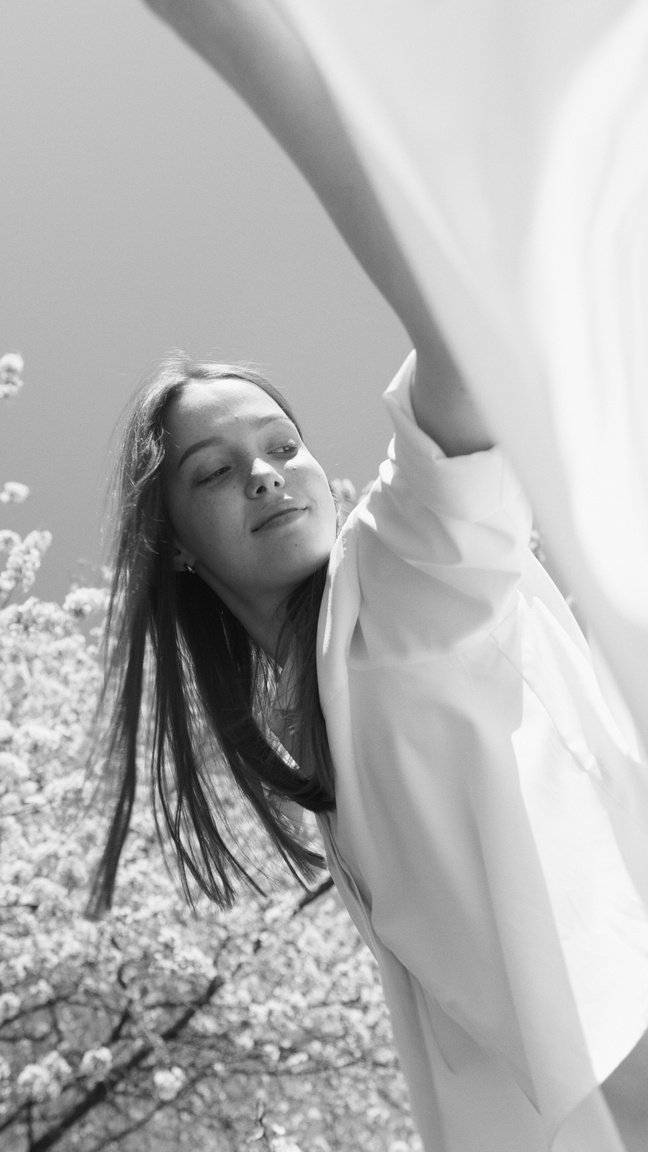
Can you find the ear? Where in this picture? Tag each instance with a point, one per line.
(182, 560)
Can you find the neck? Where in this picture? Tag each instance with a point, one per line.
(263, 619)
(264, 630)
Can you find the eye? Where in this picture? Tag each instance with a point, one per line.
(286, 449)
(215, 475)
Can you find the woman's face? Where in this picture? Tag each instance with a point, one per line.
(251, 508)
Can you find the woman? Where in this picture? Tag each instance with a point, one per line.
(444, 745)
(417, 681)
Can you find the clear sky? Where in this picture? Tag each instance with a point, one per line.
(144, 208)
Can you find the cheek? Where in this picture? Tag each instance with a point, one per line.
(328, 519)
(198, 528)
(213, 535)
(316, 481)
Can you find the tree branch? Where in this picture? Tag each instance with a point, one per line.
(101, 1091)
(314, 894)
(127, 1131)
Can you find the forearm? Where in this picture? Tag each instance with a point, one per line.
(443, 407)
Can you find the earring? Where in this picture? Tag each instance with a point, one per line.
(188, 568)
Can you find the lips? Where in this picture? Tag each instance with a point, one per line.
(278, 514)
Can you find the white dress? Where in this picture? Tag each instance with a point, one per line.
(485, 807)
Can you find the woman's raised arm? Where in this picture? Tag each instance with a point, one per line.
(254, 48)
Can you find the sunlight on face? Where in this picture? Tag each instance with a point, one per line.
(251, 508)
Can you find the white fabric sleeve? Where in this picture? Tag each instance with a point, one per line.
(442, 540)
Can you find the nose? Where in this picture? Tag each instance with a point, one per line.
(263, 478)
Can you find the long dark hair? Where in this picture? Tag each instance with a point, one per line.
(173, 644)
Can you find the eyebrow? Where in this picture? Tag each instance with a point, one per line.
(257, 421)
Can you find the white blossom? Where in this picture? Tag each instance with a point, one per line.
(283, 1144)
(6, 731)
(8, 540)
(9, 1006)
(24, 561)
(57, 1065)
(168, 1082)
(13, 492)
(204, 1025)
(36, 1082)
(12, 367)
(12, 364)
(43, 991)
(245, 1041)
(96, 1062)
(82, 602)
(42, 1081)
